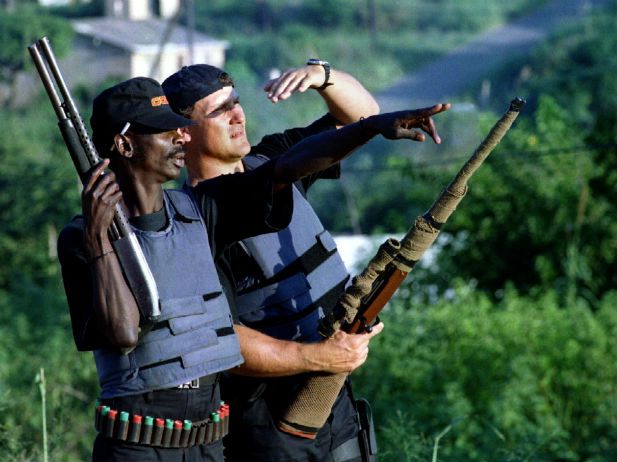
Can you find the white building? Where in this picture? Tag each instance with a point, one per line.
(138, 38)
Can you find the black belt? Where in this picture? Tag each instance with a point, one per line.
(161, 432)
(200, 382)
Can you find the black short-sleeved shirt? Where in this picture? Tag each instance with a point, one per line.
(234, 264)
(233, 207)
(274, 145)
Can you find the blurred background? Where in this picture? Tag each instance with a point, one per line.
(500, 346)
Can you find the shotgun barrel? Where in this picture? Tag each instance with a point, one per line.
(84, 156)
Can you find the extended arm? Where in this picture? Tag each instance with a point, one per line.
(318, 152)
(116, 311)
(346, 98)
(265, 356)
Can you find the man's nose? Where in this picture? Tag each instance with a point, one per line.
(182, 135)
(237, 114)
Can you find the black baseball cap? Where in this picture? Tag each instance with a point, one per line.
(192, 83)
(140, 101)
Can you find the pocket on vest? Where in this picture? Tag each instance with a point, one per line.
(208, 311)
(279, 299)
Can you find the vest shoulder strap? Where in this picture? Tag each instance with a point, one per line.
(183, 204)
(252, 161)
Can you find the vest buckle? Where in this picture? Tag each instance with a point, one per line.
(191, 384)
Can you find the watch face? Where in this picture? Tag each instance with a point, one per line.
(318, 62)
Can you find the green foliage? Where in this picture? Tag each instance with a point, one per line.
(376, 41)
(22, 27)
(80, 9)
(405, 178)
(34, 322)
(532, 379)
(524, 208)
(374, 64)
(370, 15)
(540, 212)
(38, 194)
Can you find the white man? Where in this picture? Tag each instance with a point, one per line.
(285, 281)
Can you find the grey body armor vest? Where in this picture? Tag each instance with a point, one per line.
(304, 275)
(194, 336)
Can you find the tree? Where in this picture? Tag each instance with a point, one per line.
(20, 28)
(540, 212)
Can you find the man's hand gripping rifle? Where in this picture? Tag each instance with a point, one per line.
(84, 155)
(369, 291)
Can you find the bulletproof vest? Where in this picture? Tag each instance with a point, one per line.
(194, 336)
(303, 275)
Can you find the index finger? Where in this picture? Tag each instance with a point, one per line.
(430, 123)
(95, 172)
(430, 111)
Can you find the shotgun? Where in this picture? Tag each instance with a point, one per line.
(369, 291)
(84, 156)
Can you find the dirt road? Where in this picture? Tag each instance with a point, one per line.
(444, 79)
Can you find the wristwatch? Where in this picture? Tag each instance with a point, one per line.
(326, 68)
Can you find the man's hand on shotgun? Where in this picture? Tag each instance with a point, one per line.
(342, 352)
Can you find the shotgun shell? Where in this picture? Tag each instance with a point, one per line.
(146, 430)
(97, 417)
(157, 432)
(134, 429)
(221, 414)
(175, 434)
(103, 419)
(193, 435)
(111, 423)
(185, 434)
(216, 431)
(122, 426)
(167, 433)
(209, 432)
(202, 434)
(226, 425)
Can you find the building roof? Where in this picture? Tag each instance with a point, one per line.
(143, 36)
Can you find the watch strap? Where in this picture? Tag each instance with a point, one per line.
(326, 67)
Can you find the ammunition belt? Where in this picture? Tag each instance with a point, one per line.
(161, 432)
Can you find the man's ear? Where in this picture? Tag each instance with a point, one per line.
(123, 145)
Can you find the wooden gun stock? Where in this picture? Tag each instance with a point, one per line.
(384, 289)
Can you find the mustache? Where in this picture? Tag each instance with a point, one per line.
(177, 150)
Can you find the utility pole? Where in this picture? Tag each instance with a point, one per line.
(189, 7)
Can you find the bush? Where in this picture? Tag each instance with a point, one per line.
(521, 379)
(35, 321)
